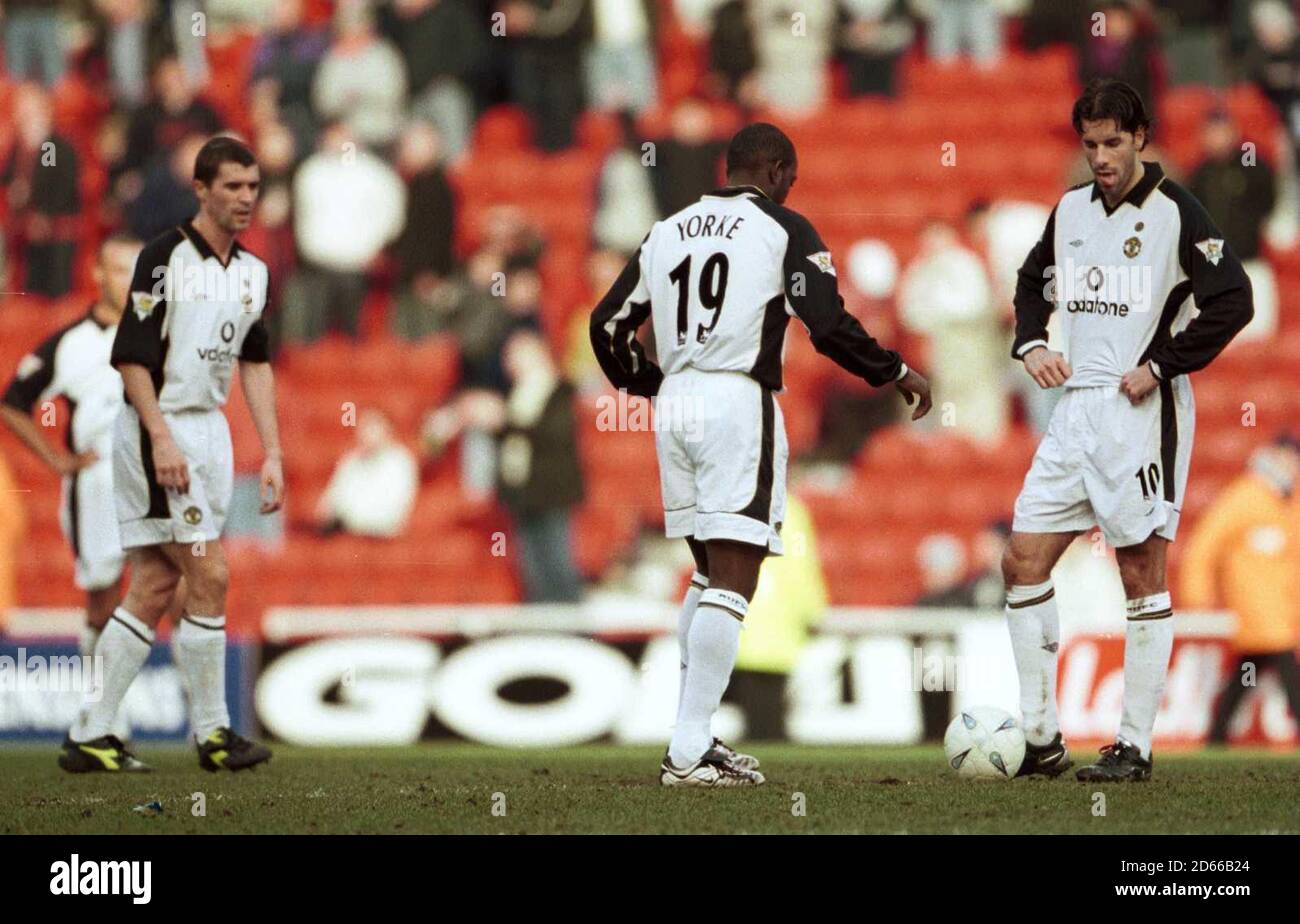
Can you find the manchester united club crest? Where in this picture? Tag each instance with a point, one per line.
(1212, 249)
(1132, 247)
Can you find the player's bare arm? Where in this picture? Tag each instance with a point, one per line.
(258, 382)
(169, 463)
(62, 462)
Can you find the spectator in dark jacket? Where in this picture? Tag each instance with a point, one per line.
(42, 184)
(173, 112)
(687, 162)
(285, 59)
(425, 245)
(538, 473)
(424, 250)
(873, 36)
(167, 196)
(1129, 51)
(444, 46)
(548, 39)
(732, 57)
(1239, 197)
(1273, 62)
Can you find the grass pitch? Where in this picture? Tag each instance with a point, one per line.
(451, 789)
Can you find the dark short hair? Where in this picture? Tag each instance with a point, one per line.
(757, 145)
(217, 151)
(118, 237)
(1107, 98)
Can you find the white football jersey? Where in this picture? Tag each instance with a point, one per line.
(190, 317)
(720, 279)
(1126, 281)
(73, 363)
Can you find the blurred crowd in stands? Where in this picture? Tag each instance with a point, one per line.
(362, 114)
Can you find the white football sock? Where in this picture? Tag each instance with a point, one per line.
(200, 644)
(699, 583)
(1035, 627)
(86, 643)
(124, 646)
(121, 726)
(713, 642)
(177, 658)
(1148, 641)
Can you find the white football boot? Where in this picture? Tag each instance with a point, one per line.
(708, 772)
(720, 751)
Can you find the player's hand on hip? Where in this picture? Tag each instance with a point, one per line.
(1138, 383)
(169, 465)
(1047, 367)
(272, 489)
(914, 385)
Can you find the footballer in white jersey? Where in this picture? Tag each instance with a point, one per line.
(719, 281)
(193, 312)
(73, 364)
(1149, 293)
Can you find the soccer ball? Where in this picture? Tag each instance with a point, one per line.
(984, 741)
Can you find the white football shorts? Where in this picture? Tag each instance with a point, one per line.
(1106, 463)
(722, 453)
(88, 517)
(148, 513)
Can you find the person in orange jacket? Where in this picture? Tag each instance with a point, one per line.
(1245, 556)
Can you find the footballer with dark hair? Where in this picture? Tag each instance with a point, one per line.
(719, 281)
(1148, 292)
(193, 310)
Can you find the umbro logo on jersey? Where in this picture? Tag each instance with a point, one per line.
(1212, 249)
(822, 260)
(1077, 242)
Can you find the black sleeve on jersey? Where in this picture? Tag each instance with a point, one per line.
(1033, 308)
(256, 347)
(139, 339)
(23, 393)
(815, 297)
(620, 354)
(1219, 285)
(257, 344)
